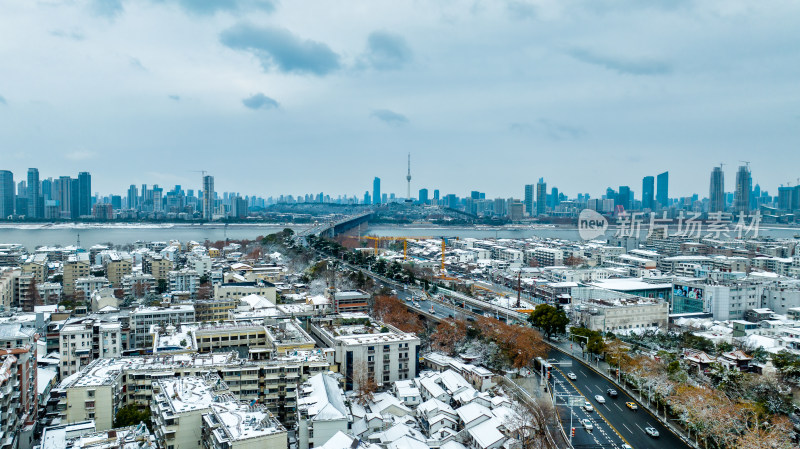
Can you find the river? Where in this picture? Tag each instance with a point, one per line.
(35, 235)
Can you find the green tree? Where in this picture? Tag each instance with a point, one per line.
(162, 286)
(549, 319)
(130, 415)
(591, 341)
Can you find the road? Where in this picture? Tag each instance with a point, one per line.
(617, 421)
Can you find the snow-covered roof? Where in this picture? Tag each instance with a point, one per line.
(323, 399)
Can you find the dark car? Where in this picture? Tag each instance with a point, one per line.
(612, 392)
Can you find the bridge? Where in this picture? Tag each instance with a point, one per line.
(334, 228)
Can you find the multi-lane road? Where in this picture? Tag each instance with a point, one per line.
(614, 423)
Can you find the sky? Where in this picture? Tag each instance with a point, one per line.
(292, 97)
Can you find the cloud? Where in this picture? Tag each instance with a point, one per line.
(623, 66)
(106, 8)
(389, 117)
(137, 64)
(260, 101)
(211, 7)
(550, 129)
(174, 97)
(386, 51)
(74, 34)
(79, 155)
(521, 10)
(3, 100)
(279, 48)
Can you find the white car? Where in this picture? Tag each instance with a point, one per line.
(651, 431)
(587, 424)
(600, 399)
(588, 407)
(572, 376)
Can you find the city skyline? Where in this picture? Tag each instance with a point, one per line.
(492, 91)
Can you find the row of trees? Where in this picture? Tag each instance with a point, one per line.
(737, 410)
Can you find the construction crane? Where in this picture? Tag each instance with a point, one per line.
(746, 163)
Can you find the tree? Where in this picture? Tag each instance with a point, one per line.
(529, 422)
(162, 286)
(364, 383)
(589, 340)
(549, 319)
(130, 415)
(390, 309)
(204, 291)
(449, 333)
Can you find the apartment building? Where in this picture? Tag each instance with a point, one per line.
(144, 317)
(117, 265)
(384, 352)
(184, 280)
(19, 402)
(239, 425)
(236, 290)
(214, 309)
(321, 411)
(85, 286)
(157, 266)
(106, 385)
(82, 340)
(138, 285)
(36, 264)
(178, 406)
(75, 267)
(8, 287)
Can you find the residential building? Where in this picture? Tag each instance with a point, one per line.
(363, 345)
(717, 191)
(7, 196)
(144, 317)
(19, 401)
(321, 411)
(157, 266)
(351, 301)
(236, 290)
(541, 197)
(184, 280)
(662, 193)
(648, 192)
(82, 340)
(83, 436)
(77, 266)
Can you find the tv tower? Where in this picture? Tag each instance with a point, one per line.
(408, 178)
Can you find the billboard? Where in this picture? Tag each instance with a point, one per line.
(686, 291)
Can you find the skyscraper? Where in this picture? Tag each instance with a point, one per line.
(376, 190)
(84, 194)
(35, 206)
(648, 192)
(555, 199)
(541, 197)
(6, 194)
(62, 193)
(133, 197)
(208, 197)
(423, 196)
(624, 197)
(716, 194)
(528, 201)
(662, 194)
(744, 186)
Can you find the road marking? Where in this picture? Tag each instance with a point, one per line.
(617, 406)
(640, 427)
(629, 429)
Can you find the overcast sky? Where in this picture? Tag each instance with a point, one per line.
(303, 96)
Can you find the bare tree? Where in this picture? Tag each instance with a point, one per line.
(364, 383)
(530, 421)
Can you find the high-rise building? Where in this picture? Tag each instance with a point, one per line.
(785, 198)
(716, 194)
(527, 202)
(62, 192)
(84, 194)
(624, 197)
(158, 199)
(7, 197)
(541, 197)
(648, 192)
(208, 197)
(436, 195)
(555, 200)
(423, 196)
(744, 186)
(376, 190)
(662, 192)
(133, 197)
(35, 206)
